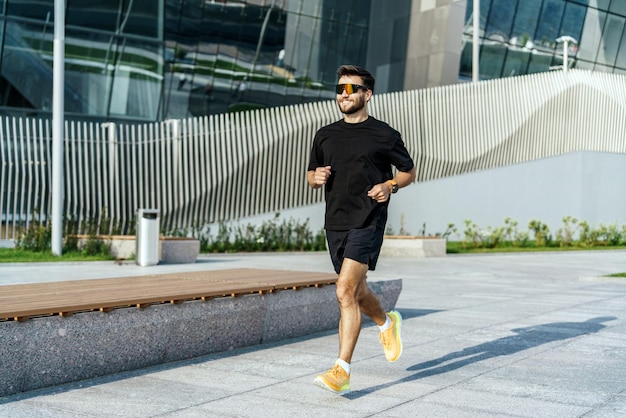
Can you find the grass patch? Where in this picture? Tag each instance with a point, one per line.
(460, 247)
(616, 275)
(15, 255)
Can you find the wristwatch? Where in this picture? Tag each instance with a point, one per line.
(394, 186)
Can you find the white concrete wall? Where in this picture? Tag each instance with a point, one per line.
(588, 186)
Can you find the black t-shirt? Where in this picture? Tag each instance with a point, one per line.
(360, 155)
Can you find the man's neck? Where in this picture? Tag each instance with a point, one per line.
(356, 117)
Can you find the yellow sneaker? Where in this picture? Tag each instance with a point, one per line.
(391, 339)
(336, 380)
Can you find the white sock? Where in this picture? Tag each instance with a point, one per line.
(386, 325)
(344, 365)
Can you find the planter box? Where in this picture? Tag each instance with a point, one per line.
(120, 246)
(172, 250)
(413, 246)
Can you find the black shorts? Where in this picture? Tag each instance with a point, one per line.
(362, 245)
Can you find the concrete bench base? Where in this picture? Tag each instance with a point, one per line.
(179, 250)
(50, 351)
(410, 246)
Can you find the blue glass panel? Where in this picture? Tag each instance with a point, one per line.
(492, 60)
(27, 65)
(539, 63)
(548, 28)
(500, 22)
(618, 7)
(516, 62)
(137, 17)
(96, 14)
(525, 23)
(573, 20)
(31, 9)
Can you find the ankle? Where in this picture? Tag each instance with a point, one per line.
(384, 327)
(344, 365)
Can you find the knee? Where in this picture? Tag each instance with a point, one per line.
(346, 295)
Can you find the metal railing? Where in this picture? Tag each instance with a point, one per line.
(223, 167)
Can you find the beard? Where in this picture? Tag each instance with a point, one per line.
(357, 104)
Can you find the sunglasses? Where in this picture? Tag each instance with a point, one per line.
(349, 88)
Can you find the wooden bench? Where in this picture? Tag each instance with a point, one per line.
(22, 302)
(60, 332)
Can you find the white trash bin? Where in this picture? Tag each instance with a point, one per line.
(147, 242)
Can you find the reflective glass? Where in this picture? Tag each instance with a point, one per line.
(516, 63)
(492, 60)
(243, 55)
(621, 55)
(602, 68)
(618, 7)
(611, 37)
(32, 9)
(592, 35)
(600, 4)
(157, 59)
(136, 88)
(465, 68)
(573, 20)
(137, 17)
(500, 23)
(87, 74)
(539, 63)
(526, 20)
(27, 65)
(548, 28)
(96, 14)
(584, 65)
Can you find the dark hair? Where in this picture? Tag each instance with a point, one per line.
(366, 76)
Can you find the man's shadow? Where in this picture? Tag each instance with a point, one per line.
(524, 339)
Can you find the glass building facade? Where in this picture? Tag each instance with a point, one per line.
(520, 36)
(159, 59)
(150, 60)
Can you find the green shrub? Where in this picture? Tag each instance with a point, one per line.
(509, 236)
(35, 238)
(541, 233)
(271, 235)
(565, 235)
(96, 246)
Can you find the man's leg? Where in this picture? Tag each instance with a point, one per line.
(355, 297)
(351, 277)
(349, 292)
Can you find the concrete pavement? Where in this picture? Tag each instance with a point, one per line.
(511, 335)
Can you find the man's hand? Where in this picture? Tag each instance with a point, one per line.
(319, 177)
(380, 192)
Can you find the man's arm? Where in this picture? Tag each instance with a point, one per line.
(404, 178)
